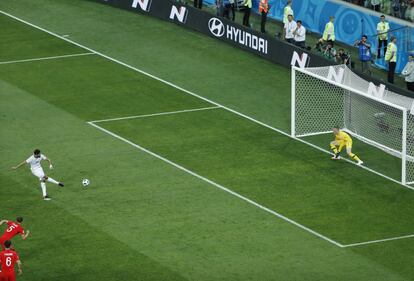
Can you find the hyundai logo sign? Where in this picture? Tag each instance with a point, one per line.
(216, 27)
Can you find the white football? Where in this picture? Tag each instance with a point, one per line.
(85, 182)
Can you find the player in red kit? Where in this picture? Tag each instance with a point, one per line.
(13, 228)
(8, 258)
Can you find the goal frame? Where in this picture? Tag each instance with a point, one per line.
(402, 154)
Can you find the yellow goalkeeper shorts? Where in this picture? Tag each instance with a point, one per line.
(347, 144)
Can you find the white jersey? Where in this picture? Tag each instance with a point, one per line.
(300, 34)
(35, 162)
(290, 26)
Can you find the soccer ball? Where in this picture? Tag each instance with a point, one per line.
(85, 182)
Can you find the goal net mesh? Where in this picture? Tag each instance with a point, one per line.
(321, 104)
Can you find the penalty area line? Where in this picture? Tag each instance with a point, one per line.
(47, 58)
(156, 114)
(217, 185)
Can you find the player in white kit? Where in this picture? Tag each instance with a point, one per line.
(37, 171)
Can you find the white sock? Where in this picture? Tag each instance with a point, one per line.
(52, 181)
(43, 186)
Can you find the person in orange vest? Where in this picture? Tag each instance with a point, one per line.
(263, 9)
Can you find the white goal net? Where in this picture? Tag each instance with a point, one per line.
(325, 97)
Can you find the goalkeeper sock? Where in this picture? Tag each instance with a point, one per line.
(334, 149)
(354, 157)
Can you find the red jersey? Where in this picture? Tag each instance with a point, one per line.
(7, 260)
(12, 230)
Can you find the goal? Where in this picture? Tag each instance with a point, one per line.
(322, 99)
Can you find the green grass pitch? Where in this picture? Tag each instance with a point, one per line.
(163, 215)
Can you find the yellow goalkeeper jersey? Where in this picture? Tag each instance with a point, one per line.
(342, 136)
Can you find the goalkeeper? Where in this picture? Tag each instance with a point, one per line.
(343, 139)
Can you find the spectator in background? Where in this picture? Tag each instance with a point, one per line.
(263, 9)
(404, 6)
(226, 9)
(409, 14)
(299, 34)
(382, 30)
(288, 29)
(386, 7)
(229, 7)
(376, 5)
(364, 52)
(342, 57)
(247, 9)
(287, 11)
(329, 51)
(219, 8)
(396, 8)
(198, 3)
(403, 9)
(408, 73)
(391, 58)
(233, 10)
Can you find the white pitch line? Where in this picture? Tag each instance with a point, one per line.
(198, 96)
(156, 114)
(378, 241)
(47, 58)
(202, 98)
(217, 185)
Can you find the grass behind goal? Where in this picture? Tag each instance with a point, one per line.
(144, 218)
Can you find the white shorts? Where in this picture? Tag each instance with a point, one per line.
(38, 173)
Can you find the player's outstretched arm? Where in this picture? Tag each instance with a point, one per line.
(3, 222)
(18, 166)
(50, 163)
(19, 265)
(24, 236)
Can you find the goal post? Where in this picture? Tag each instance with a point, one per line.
(321, 101)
